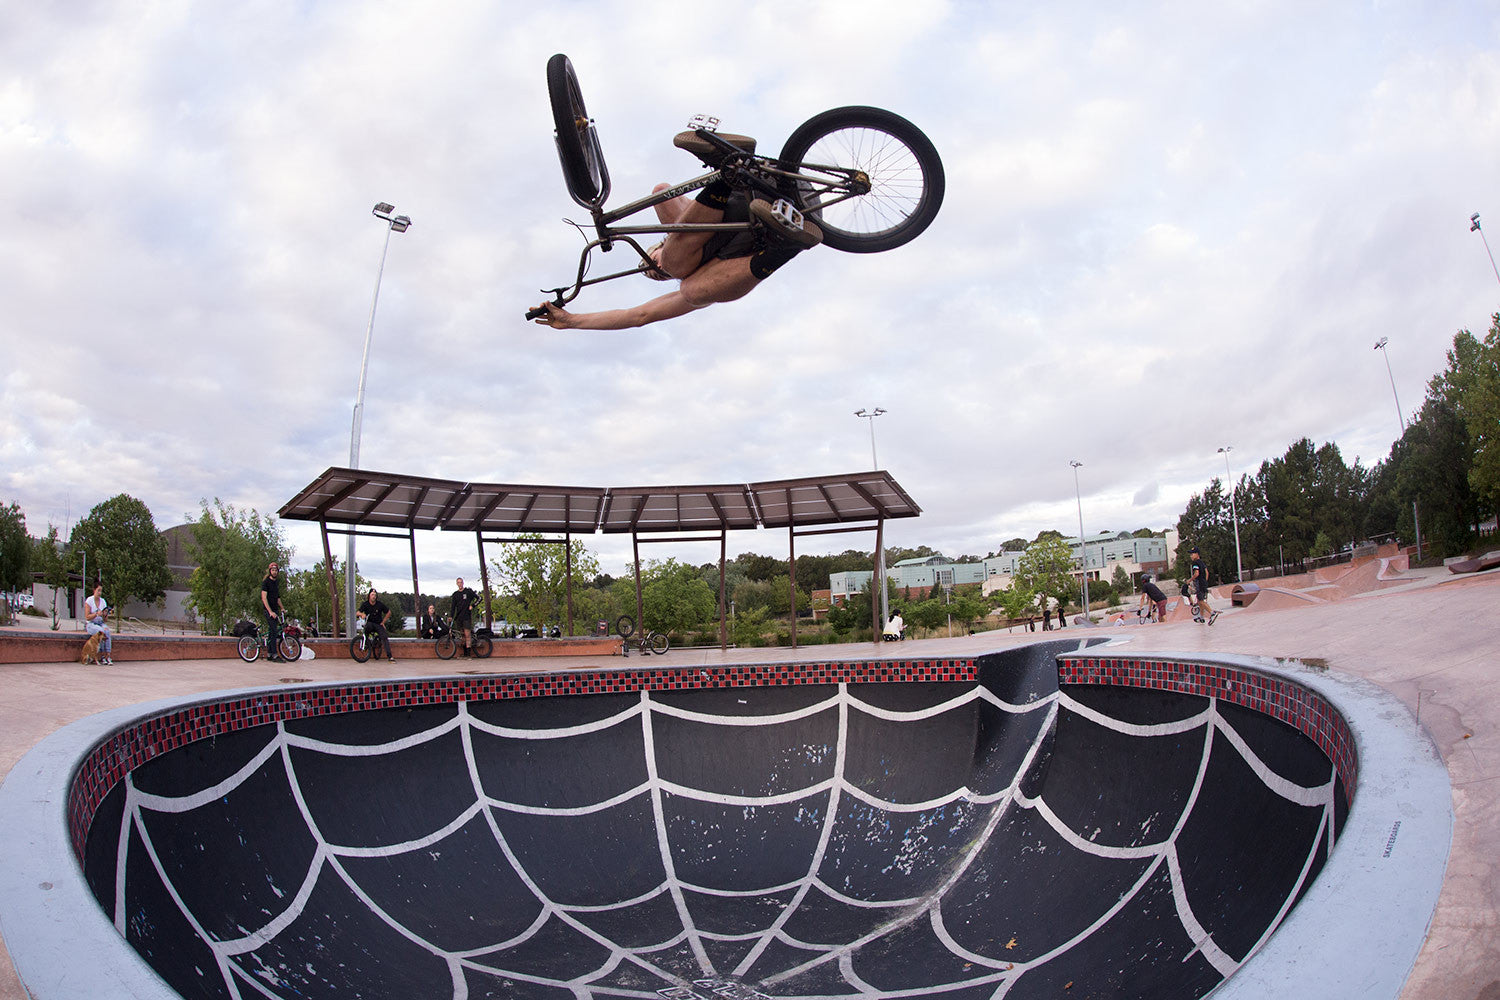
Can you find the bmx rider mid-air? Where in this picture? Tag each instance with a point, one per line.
(711, 266)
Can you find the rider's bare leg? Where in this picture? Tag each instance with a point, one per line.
(682, 253)
(718, 281)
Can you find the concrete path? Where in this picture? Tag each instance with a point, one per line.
(1434, 643)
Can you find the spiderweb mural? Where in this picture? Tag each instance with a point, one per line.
(1006, 839)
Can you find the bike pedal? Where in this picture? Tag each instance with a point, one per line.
(787, 214)
(707, 122)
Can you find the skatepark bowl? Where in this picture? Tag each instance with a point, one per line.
(1046, 821)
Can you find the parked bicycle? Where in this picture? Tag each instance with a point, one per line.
(646, 640)
(252, 644)
(870, 180)
(449, 643)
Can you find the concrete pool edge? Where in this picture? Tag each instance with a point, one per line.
(1357, 931)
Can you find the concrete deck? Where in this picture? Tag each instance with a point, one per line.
(1433, 642)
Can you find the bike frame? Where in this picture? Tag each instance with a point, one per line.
(740, 169)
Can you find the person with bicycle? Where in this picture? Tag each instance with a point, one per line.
(1157, 599)
(461, 607)
(710, 266)
(270, 600)
(374, 612)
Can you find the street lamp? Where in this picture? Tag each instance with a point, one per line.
(1079, 494)
(1474, 228)
(885, 603)
(1239, 568)
(1401, 415)
(394, 224)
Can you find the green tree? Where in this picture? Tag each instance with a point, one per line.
(1470, 385)
(15, 549)
(748, 627)
(1046, 568)
(1016, 601)
(232, 548)
(1433, 469)
(54, 562)
(532, 579)
(305, 592)
(122, 547)
(1120, 581)
(675, 597)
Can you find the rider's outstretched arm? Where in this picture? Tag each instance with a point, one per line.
(662, 307)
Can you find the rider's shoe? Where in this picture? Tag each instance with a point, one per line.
(808, 235)
(1213, 617)
(651, 270)
(706, 151)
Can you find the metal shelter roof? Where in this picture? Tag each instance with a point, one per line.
(364, 498)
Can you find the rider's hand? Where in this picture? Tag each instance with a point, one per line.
(557, 317)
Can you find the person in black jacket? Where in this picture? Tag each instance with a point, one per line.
(430, 625)
(374, 613)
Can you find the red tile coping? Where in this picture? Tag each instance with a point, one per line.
(108, 763)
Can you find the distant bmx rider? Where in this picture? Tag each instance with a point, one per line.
(1157, 598)
(1199, 581)
(712, 267)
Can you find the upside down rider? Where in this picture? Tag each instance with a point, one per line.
(712, 266)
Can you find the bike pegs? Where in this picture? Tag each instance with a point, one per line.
(706, 122)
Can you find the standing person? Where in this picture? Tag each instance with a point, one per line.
(95, 614)
(270, 600)
(1062, 617)
(1157, 598)
(1200, 587)
(1046, 616)
(462, 609)
(374, 612)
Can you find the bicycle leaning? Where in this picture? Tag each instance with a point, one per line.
(646, 640)
(252, 644)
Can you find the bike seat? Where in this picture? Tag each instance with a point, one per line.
(709, 153)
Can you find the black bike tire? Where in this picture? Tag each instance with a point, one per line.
(249, 648)
(577, 144)
(624, 626)
(658, 642)
(290, 647)
(446, 646)
(906, 176)
(358, 651)
(483, 646)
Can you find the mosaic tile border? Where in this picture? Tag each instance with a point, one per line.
(108, 763)
(1281, 698)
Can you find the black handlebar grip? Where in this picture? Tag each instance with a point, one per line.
(536, 313)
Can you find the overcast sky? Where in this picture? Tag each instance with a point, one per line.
(1169, 227)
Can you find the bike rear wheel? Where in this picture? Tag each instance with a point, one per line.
(904, 170)
(358, 650)
(446, 646)
(658, 643)
(248, 648)
(483, 646)
(577, 142)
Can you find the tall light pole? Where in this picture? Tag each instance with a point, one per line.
(885, 602)
(1474, 228)
(394, 224)
(1079, 494)
(1401, 416)
(1239, 568)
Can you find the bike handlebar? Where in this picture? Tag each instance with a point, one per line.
(536, 313)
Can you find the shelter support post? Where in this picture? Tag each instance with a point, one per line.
(568, 556)
(484, 577)
(876, 596)
(791, 574)
(640, 607)
(723, 622)
(416, 592)
(333, 594)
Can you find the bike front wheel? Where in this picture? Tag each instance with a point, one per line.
(483, 646)
(658, 643)
(577, 142)
(291, 647)
(624, 626)
(446, 646)
(358, 650)
(903, 167)
(248, 648)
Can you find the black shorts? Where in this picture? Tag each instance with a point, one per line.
(766, 254)
(461, 622)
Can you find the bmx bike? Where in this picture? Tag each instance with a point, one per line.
(646, 640)
(450, 642)
(869, 178)
(252, 644)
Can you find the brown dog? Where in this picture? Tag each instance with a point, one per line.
(90, 652)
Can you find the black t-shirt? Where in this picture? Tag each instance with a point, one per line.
(1200, 575)
(1153, 591)
(272, 589)
(374, 613)
(463, 602)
